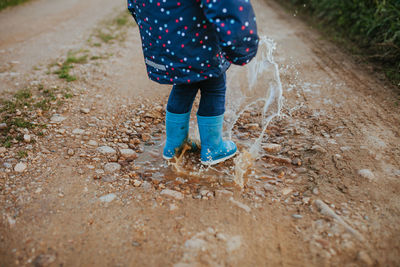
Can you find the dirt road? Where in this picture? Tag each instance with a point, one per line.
(89, 190)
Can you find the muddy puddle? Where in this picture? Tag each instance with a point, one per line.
(254, 99)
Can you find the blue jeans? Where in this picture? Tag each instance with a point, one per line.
(212, 101)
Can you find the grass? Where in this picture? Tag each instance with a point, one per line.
(7, 3)
(27, 109)
(367, 28)
(111, 30)
(72, 58)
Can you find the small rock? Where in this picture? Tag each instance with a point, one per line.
(319, 149)
(85, 110)
(3, 125)
(109, 178)
(172, 193)
(78, 131)
(112, 167)
(108, 198)
(27, 138)
(137, 183)
(106, 150)
(173, 207)
(146, 186)
(38, 190)
(145, 137)
(7, 165)
(20, 167)
(253, 126)
(92, 143)
(272, 148)
(315, 191)
(286, 191)
(70, 152)
(3, 150)
(56, 118)
(365, 258)
(128, 154)
(365, 173)
(297, 216)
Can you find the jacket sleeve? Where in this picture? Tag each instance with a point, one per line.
(132, 9)
(235, 23)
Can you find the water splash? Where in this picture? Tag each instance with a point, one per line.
(263, 88)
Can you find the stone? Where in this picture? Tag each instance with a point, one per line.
(172, 193)
(365, 258)
(106, 150)
(315, 191)
(44, 260)
(27, 138)
(70, 152)
(319, 149)
(272, 148)
(3, 150)
(109, 178)
(367, 174)
(92, 143)
(85, 110)
(196, 243)
(7, 165)
(108, 198)
(112, 167)
(137, 183)
(128, 153)
(146, 186)
(3, 126)
(57, 118)
(146, 137)
(286, 191)
(20, 167)
(78, 131)
(297, 216)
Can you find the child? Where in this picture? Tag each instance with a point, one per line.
(190, 44)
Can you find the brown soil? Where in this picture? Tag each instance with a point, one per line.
(338, 118)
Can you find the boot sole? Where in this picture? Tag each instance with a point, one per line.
(213, 162)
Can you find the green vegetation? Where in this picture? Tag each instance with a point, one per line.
(372, 27)
(27, 109)
(68, 64)
(110, 30)
(6, 3)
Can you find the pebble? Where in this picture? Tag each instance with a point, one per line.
(70, 152)
(365, 258)
(172, 193)
(319, 149)
(128, 153)
(109, 178)
(20, 167)
(146, 186)
(56, 118)
(78, 131)
(365, 173)
(272, 148)
(27, 138)
(7, 165)
(173, 207)
(146, 137)
(106, 150)
(93, 143)
(3, 126)
(85, 110)
(3, 150)
(297, 216)
(286, 191)
(137, 183)
(108, 198)
(315, 191)
(112, 167)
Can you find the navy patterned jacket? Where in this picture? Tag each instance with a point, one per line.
(187, 41)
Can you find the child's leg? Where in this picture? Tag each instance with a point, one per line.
(210, 118)
(181, 98)
(177, 117)
(212, 102)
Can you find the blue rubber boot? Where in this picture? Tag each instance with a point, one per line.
(213, 149)
(177, 128)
